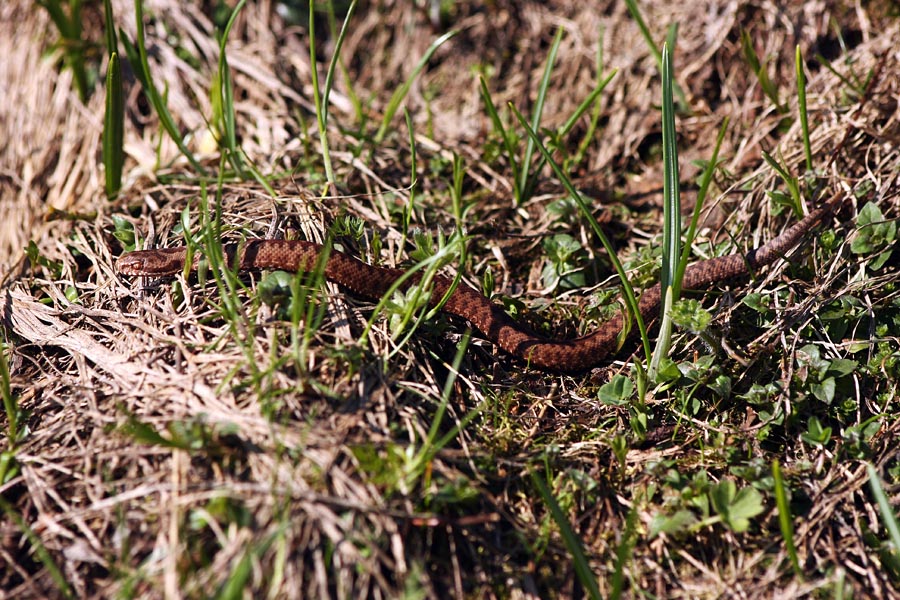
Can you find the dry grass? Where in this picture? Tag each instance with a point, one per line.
(174, 446)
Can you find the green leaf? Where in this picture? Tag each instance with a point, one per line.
(564, 269)
(617, 392)
(824, 390)
(681, 521)
(842, 366)
(736, 508)
(275, 288)
(874, 234)
(816, 435)
(761, 303)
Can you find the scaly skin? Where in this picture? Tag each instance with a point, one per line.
(559, 355)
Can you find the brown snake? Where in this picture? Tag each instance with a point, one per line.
(374, 282)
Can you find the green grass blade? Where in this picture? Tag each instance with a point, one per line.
(505, 135)
(39, 549)
(403, 90)
(339, 38)
(113, 128)
(627, 290)
(705, 181)
(671, 189)
(524, 182)
(70, 30)
(336, 55)
(431, 440)
(789, 180)
(586, 104)
(784, 519)
(413, 178)
(623, 554)
(162, 111)
(223, 94)
(223, 107)
(884, 506)
(762, 75)
(671, 251)
(598, 107)
(570, 538)
(317, 97)
(635, 12)
(112, 45)
(804, 116)
(10, 405)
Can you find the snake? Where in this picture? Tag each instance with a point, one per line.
(373, 282)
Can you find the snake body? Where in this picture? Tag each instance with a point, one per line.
(373, 282)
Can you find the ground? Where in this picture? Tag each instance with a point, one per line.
(272, 434)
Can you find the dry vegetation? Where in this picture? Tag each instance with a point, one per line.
(194, 438)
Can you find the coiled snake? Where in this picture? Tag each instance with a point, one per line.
(373, 282)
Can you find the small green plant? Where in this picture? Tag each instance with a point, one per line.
(736, 507)
(404, 468)
(627, 289)
(760, 69)
(320, 98)
(822, 376)
(401, 92)
(816, 434)
(855, 84)
(137, 56)
(42, 554)
(671, 36)
(801, 101)
(780, 200)
(565, 268)
(716, 503)
(875, 235)
(522, 168)
(72, 45)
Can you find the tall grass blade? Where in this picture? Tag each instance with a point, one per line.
(336, 55)
(317, 97)
(623, 554)
(705, 181)
(39, 549)
(509, 143)
(159, 105)
(671, 251)
(536, 116)
(223, 94)
(112, 44)
(627, 290)
(73, 46)
(801, 100)
(884, 506)
(570, 538)
(403, 90)
(9, 402)
(784, 519)
(113, 128)
(635, 13)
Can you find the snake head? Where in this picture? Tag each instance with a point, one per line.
(153, 263)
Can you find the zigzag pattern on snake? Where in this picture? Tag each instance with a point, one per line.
(373, 282)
